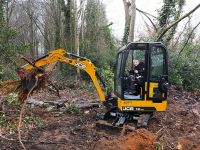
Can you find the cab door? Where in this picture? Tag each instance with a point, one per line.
(118, 76)
(157, 73)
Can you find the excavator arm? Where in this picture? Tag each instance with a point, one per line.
(74, 60)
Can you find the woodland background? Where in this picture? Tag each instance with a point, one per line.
(35, 27)
(81, 27)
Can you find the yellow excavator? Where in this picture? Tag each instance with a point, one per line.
(139, 90)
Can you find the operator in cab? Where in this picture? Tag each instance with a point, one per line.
(138, 67)
(136, 77)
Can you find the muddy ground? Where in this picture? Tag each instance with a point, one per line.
(75, 129)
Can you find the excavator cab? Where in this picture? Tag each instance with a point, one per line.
(141, 80)
(144, 87)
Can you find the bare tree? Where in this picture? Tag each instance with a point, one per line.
(79, 21)
(9, 8)
(130, 16)
(26, 19)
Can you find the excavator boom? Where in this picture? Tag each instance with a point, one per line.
(63, 56)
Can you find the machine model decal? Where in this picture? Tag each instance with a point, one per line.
(129, 108)
(82, 66)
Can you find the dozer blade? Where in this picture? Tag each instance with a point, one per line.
(143, 120)
(104, 125)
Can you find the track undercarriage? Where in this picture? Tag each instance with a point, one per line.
(116, 119)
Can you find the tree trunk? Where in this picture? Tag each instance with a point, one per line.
(76, 37)
(58, 24)
(127, 21)
(132, 22)
(126, 9)
(130, 15)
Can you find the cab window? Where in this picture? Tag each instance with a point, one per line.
(157, 62)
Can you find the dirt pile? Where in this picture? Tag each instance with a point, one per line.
(188, 143)
(179, 126)
(140, 139)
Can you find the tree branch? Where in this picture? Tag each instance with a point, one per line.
(181, 33)
(147, 25)
(147, 15)
(189, 36)
(175, 22)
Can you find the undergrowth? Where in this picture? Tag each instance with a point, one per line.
(9, 115)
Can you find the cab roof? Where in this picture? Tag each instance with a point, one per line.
(138, 45)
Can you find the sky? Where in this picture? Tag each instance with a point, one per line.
(115, 14)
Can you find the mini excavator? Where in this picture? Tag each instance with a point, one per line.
(137, 94)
